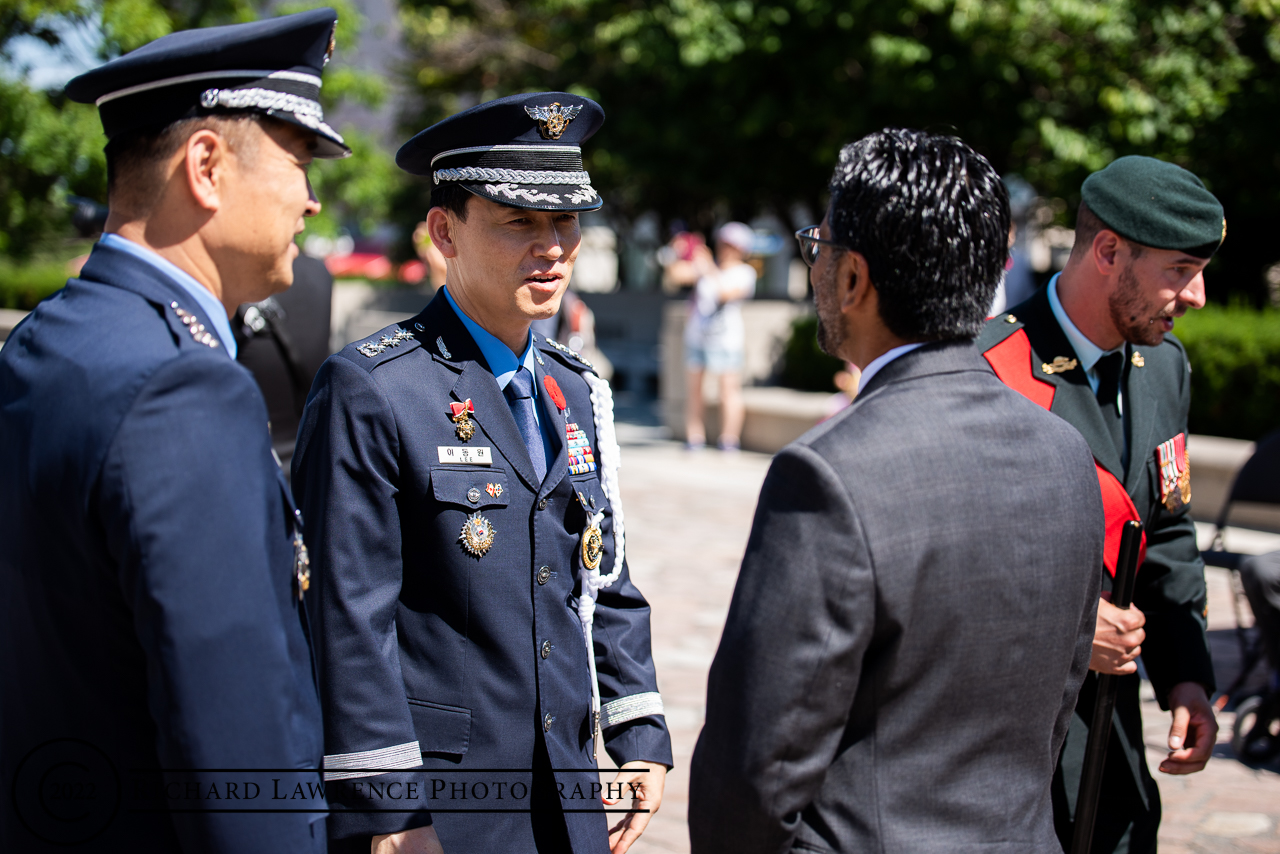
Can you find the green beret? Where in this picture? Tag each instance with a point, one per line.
(1156, 204)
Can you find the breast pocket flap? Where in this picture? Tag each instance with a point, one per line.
(441, 729)
(482, 487)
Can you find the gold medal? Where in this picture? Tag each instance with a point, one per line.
(592, 547)
(460, 414)
(477, 534)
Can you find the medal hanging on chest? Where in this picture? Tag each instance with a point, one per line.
(1175, 473)
(460, 414)
(477, 534)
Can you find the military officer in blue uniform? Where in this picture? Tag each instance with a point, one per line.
(478, 628)
(158, 682)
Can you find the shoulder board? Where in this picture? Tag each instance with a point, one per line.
(572, 358)
(996, 330)
(382, 346)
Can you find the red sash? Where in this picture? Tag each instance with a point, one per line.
(1012, 362)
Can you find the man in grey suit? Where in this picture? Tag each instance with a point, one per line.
(915, 609)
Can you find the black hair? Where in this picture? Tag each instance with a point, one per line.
(931, 216)
(452, 198)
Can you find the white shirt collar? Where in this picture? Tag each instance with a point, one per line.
(215, 310)
(883, 359)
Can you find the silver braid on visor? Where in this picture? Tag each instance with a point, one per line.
(515, 176)
(261, 99)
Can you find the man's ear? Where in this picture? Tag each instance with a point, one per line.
(205, 163)
(1106, 246)
(853, 281)
(440, 225)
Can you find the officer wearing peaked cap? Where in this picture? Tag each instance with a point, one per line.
(158, 683)
(460, 477)
(1094, 346)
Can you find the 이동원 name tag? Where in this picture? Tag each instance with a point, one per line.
(465, 456)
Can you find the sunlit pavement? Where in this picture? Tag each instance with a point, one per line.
(688, 517)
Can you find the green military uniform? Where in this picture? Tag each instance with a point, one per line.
(1170, 585)
(1143, 473)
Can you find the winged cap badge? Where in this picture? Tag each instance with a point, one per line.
(553, 120)
(333, 42)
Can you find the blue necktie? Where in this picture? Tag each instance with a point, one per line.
(519, 392)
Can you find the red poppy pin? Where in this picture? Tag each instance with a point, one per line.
(553, 389)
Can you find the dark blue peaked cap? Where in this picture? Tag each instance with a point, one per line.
(271, 67)
(523, 150)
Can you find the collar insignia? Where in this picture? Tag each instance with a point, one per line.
(1059, 365)
(1137, 360)
(444, 351)
(553, 120)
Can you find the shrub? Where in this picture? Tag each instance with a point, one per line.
(804, 366)
(22, 286)
(1235, 370)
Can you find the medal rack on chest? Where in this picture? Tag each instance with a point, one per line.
(478, 534)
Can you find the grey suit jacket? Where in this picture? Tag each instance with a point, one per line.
(911, 624)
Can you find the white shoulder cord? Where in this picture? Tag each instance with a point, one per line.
(609, 459)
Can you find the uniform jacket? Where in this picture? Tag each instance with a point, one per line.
(436, 660)
(902, 654)
(149, 617)
(1170, 588)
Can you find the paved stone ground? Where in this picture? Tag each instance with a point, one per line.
(688, 518)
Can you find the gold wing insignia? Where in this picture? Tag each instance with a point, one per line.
(552, 120)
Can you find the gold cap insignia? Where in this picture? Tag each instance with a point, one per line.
(553, 120)
(1136, 360)
(477, 534)
(1060, 364)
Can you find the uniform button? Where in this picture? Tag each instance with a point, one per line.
(546, 649)
(473, 495)
(546, 723)
(544, 574)
(542, 505)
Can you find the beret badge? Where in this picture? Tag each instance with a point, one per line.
(553, 120)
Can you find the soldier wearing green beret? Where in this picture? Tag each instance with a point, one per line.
(1094, 346)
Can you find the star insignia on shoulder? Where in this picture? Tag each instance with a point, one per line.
(386, 342)
(552, 120)
(551, 342)
(194, 326)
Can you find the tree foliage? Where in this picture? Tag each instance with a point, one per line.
(51, 148)
(744, 104)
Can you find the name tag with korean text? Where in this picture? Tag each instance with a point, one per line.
(466, 456)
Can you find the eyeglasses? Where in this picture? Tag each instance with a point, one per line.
(810, 244)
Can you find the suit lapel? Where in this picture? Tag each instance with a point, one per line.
(553, 421)
(1073, 399)
(1141, 418)
(475, 383)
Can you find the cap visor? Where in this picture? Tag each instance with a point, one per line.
(542, 197)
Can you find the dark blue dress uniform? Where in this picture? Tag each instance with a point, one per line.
(438, 665)
(150, 617)
(158, 686)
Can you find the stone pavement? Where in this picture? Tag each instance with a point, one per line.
(688, 517)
